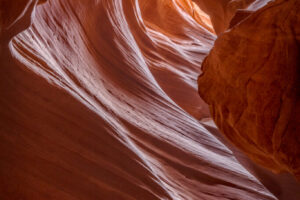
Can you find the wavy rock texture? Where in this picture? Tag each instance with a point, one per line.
(99, 101)
(251, 82)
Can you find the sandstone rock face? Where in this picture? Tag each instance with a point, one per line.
(99, 101)
(15, 17)
(251, 82)
(221, 12)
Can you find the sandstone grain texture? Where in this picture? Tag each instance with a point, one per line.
(251, 82)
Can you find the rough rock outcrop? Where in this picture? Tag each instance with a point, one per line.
(251, 82)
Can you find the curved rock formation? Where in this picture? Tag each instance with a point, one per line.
(99, 101)
(221, 12)
(251, 82)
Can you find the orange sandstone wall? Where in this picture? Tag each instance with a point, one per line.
(99, 101)
(251, 82)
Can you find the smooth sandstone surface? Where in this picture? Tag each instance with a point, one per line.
(251, 82)
(99, 101)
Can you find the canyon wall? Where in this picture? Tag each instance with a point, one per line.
(99, 101)
(251, 82)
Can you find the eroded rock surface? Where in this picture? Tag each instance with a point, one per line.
(251, 82)
(221, 12)
(99, 101)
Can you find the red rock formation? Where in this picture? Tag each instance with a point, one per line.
(251, 82)
(221, 12)
(98, 99)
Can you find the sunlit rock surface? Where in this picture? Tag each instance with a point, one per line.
(251, 82)
(99, 101)
(221, 12)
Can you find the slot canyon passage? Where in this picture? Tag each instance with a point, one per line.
(115, 99)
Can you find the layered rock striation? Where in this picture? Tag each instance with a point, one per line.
(99, 101)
